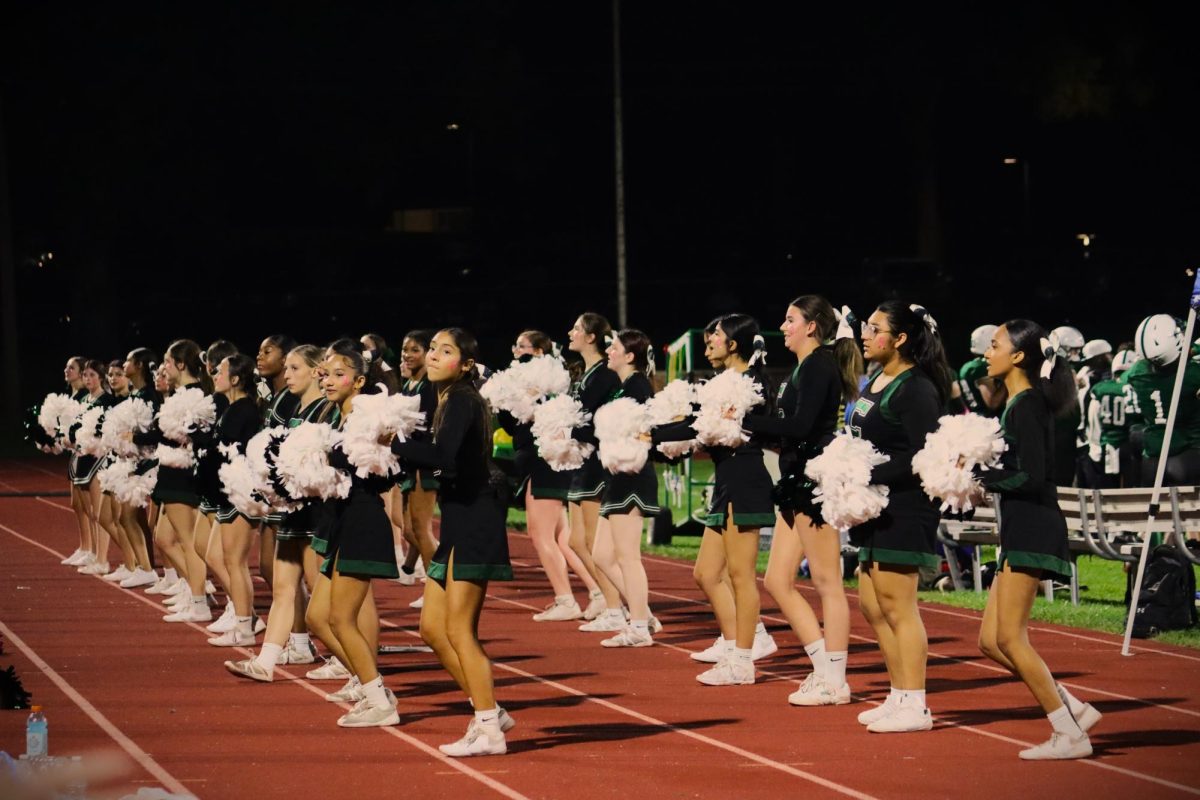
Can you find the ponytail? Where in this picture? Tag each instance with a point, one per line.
(187, 352)
(146, 362)
(743, 330)
(923, 346)
(1048, 373)
(837, 329)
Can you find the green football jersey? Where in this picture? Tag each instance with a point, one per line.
(1108, 413)
(968, 379)
(1152, 389)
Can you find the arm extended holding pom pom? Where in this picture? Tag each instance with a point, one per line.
(440, 452)
(1026, 430)
(918, 408)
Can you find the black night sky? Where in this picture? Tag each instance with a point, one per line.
(214, 170)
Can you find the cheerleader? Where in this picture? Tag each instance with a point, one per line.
(590, 336)
(110, 509)
(294, 559)
(1033, 534)
(741, 505)
(544, 494)
(355, 538)
(73, 376)
(807, 413)
(95, 383)
(629, 498)
(474, 541)
(240, 420)
(278, 408)
(414, 511)
(139, 367)
(895, 412)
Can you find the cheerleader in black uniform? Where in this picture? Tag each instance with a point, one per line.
(95, 383)
(807, 414)
(294, 559)
(474, 542)
(73, 375)
(110, 508)
(895, 412)
(279, 407)
(355, 538)
(629, 498)
(590, 336)
(544, 493)
(1033, 534)
(413, 514)
(139, 367)
(741, 505)
(240, 420)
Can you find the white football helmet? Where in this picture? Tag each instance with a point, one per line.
(1159, 340)
(1124, 360)
(1095, 347)
(1069, 342)
(981, 338)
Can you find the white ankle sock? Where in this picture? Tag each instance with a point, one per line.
(913, 697)
(490, 715)
(268, 657)
(742, 657)
(564, 599)
(171, 574)
(199, 603)
(835, 668)
(728, 645)
(245, 624)
(640, 626)
(760, 629)
(893, 695)
(596, 594)
(816, 654)
(1071, 701)
(300, 641)
(1063, 722)
(375, 693)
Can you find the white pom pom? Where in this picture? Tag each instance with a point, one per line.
(134, 415)
(724, 402)
(175, 457)
(944, 464)
(379, 416)
(672, 404)
(675, 450)
(186, 411)
(842, 473)
(520, 388)
(122, 481)
(552, 425)
(87, 438)
(619, 426)
(303, 463)
(58, 412)
(238, 481)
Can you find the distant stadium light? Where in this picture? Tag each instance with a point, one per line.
(1085, 238)
(1010, 161)
(453, 126)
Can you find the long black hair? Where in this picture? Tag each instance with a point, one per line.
(847, 352)
(637, 344)
(241, 367)
(146, 361)
(743, 331)
(466, 383)
(187, 352)
(1059, 389)
(923, 347)
(351, 351)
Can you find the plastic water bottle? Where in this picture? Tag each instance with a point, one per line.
(37, 734)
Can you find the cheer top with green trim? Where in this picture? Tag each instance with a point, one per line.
(83, 468)
(235, 426)
(598, 385)
(423, 388)
(624, 491)
(1033, 533)
(282, 406)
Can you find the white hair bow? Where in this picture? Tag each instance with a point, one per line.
(1050, 353)
(760, 350)
(845, 328)
(924, 314)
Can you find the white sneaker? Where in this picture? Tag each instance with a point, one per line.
(209, 588)
(714, 652)
(189, 614)
(1086, 715)
(764, 645)
(177, 601)
(629, 638)
(233, 638)
(655, 625)
(250, 668)
(331, 670)
(352, 692)
(293, 655)
(88, 559)
(259, 625)
(71, 559)
(559, 612)
(595, 607)
(878, 712)
(1059, 746)
(408, 578)
(226, 622)
(418, 603)
(608, 622)
(96, 568)
(481, 740)
(815, 691)
(507, 723)
(160, 586)
(904, 718)
(138, 578)
(180, 587)
(117, 575)
(727, 673)
(365, 715)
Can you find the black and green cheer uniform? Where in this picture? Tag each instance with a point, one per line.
(277, 413)
(624, 491)
(236, 425)
(535, 476)
(1033, 533)
(208, 461)
(301, 524)
(597, 386)
(428, 393)
(1153, 386)
(174, 485)
(471, 494)
(740, 477)
(83, 468)
(806, 416)
(80, 396)
(896, 419)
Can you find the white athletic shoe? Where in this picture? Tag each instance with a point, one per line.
(352, 692)
(224, 623)
(233, 638)
(727, 673)
(608, 622)
(259, 625)
(209, 588)
(71, 559)
(365, 715)
(559, 612)
(629, 638)
(655, 625)
(178, 601)
(764, 645)
(1086, 715)
(117, 575)
(139, 578)
(596, 606)
(904, 718)
(1059, 746)
(331, 670)
(713, 653)
(815, 691)
(482, 739)
(96, 568)
(293, 655)
(418, 603)
(878, 712)
(189, 614)
(180, 587)
(160, 586)
(88, 559)
(250, 668)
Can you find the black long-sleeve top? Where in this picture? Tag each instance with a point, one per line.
(154, 437)
(683, 430)
(458, 450)
(896, 420)
(597, 386)
(1027, 468)
(806, 415)
(234, 427)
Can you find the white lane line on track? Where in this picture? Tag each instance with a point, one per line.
(128, 745)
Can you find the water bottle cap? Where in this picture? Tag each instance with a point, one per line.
(35, 708)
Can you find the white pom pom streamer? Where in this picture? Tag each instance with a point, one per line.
(520, 388)
(619, 425)
(87, 438)
(121, 479)
(134, 415)
(843, 473)
(724, 401)
(303, 463)
(944, 464)
(186, 411)
(175, 457)
(240, 485)
(58, 412)
(672, 404)
(375, 417)
(552, 425)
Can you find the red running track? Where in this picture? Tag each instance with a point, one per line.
(592, 722)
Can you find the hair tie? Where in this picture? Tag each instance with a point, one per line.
(152, 366)
(1050, 356)
(204, 358)
(608, 339)
(650, 363)
(760, 351)
(368, 356)
(846, 324)
(926, 317)
(555, 349)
